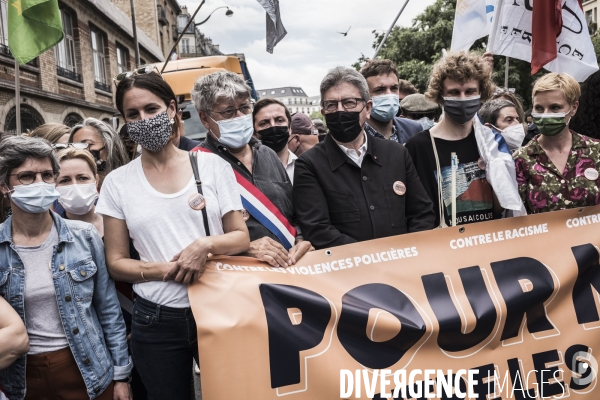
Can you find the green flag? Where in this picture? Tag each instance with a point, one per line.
(34, 26)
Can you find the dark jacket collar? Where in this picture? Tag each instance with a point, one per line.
(337, 157)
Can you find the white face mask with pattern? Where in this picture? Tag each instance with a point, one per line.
(153, 133)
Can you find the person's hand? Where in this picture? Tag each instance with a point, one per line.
(268, 250)
(190, 263)
(300, 248)
(121, 391)
(488, 57)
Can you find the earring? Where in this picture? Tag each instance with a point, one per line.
(172, 121)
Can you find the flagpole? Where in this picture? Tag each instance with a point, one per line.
(389, 30)
(17, 97)
(506, 74)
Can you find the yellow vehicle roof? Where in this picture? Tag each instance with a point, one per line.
(181, 74)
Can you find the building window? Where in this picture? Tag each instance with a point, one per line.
(99, 60)
(185, 46)
(122, 58)
(182, 21)
(72, 119)
(289, 101)
(30, 119)
(3, 23)
(64, 52)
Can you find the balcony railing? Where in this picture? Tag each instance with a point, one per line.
(162, 15)
(5, 51)
(102, 86)
(66, 73)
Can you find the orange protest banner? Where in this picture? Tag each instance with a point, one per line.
(507, 309)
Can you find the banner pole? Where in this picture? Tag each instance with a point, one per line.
(506, 74)
(17, 97)
(492, 35)
(389, 31)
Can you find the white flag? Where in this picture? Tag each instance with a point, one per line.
(472, 21)
(575, 52)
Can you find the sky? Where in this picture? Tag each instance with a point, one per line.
(312, 45)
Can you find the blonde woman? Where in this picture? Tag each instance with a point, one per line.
(77, 184)
(558, 169)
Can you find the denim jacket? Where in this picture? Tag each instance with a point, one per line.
(87, 304)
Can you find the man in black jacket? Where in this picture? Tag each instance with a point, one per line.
(354, 187)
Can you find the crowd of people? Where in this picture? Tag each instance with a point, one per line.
(86, 206)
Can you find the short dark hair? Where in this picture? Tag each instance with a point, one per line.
(155, 84)
(490, 110)
(406, 86)
(378, 67)
(262, 103)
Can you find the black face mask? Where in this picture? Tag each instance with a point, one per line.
(274, 137)
(344, 126)
(100, 164)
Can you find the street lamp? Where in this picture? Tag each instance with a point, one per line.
(228, 13)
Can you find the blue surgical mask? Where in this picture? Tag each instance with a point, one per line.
(385, 107)
(236, 132)
(426, 123)
(35, 198)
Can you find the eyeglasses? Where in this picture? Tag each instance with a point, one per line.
(28, 177)
(140, 71)
(62, 146)
(349, 104)
(231, 112)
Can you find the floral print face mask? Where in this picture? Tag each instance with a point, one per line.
(153, 133)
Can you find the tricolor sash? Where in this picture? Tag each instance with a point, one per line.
(262, 209)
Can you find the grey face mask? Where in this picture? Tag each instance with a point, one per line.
(461, 110)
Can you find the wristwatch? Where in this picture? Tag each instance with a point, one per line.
(124, 380)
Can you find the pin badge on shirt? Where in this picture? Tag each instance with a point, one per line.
(399, 188)
(196, 201)
(591, 174)
(245, 214)
(481, 164)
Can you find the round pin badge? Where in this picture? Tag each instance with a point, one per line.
(196, 201)
(481, 164)
(245, 214)
(591, 174)
(399, 188)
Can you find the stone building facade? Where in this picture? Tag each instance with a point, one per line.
(157, 18)
(193, 42)
(294, 98)
(73, 80)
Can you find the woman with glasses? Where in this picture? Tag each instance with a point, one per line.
(53, 274)
(77, 184)
(104, 144)
(52, 132)
(223, 102)
(174, 224)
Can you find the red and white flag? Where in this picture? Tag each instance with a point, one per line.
(551, 34)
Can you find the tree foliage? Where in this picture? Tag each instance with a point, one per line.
(416, 48)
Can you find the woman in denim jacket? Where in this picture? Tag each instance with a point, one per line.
(53, 273)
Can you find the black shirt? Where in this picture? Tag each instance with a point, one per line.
(337, 202)
(474, 194)
(187, 144)
(268, 175)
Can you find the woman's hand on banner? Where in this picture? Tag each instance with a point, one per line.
(299, 250)
(190, 263)
(268, 250)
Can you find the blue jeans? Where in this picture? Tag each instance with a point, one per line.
(163, 343)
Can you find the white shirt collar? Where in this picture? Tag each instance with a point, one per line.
(291, 158)
(352, 154)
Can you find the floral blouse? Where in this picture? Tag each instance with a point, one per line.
(543, 188)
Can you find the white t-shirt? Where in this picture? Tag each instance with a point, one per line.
(161, 225)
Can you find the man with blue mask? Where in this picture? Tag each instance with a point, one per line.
(418, 108)
(485, 181)
(382, 78)
(225, 107)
